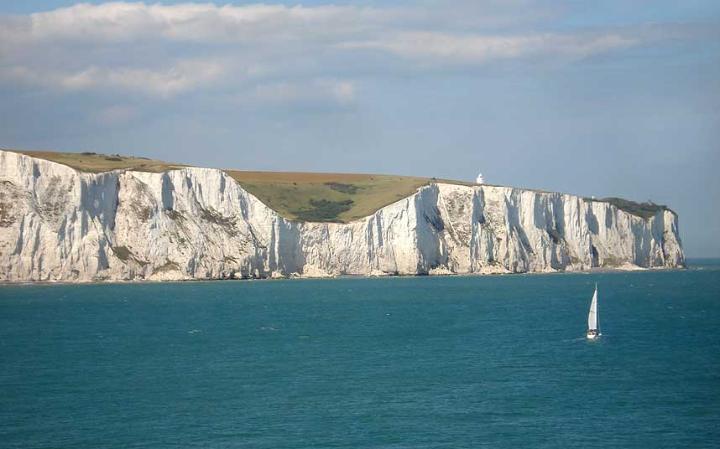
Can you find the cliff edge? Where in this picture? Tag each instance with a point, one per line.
(61, 224)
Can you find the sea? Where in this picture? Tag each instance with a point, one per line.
(401, 362)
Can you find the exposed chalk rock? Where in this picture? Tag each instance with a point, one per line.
(58, 224)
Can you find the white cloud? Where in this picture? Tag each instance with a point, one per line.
(478, 49)
(180, 77)
(274, 52)
(123, 22)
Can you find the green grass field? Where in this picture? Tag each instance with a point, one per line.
(324, 197)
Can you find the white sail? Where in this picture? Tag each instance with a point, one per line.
(592, 316)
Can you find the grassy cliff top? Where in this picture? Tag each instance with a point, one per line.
(325, 197)
(644, 210)
(97, 163)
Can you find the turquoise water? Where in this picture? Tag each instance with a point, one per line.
(451, 362)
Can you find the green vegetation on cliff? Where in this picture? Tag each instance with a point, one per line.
(97, 163)
(340, 197)
(643, 210)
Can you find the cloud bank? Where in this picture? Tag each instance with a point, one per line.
(272, 53)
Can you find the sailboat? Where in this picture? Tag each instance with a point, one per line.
(593, 331)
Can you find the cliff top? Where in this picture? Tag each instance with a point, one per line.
(326, 196)
(644, 210)
(338, 197)
(97, 163)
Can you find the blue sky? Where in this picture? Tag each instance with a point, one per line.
(609, 98)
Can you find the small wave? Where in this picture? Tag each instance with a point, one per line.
(568, 340)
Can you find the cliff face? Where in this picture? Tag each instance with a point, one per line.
(60, 224)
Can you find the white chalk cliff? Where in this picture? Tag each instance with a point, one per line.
(59, 224)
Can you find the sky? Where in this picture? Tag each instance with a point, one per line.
(613, 98)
